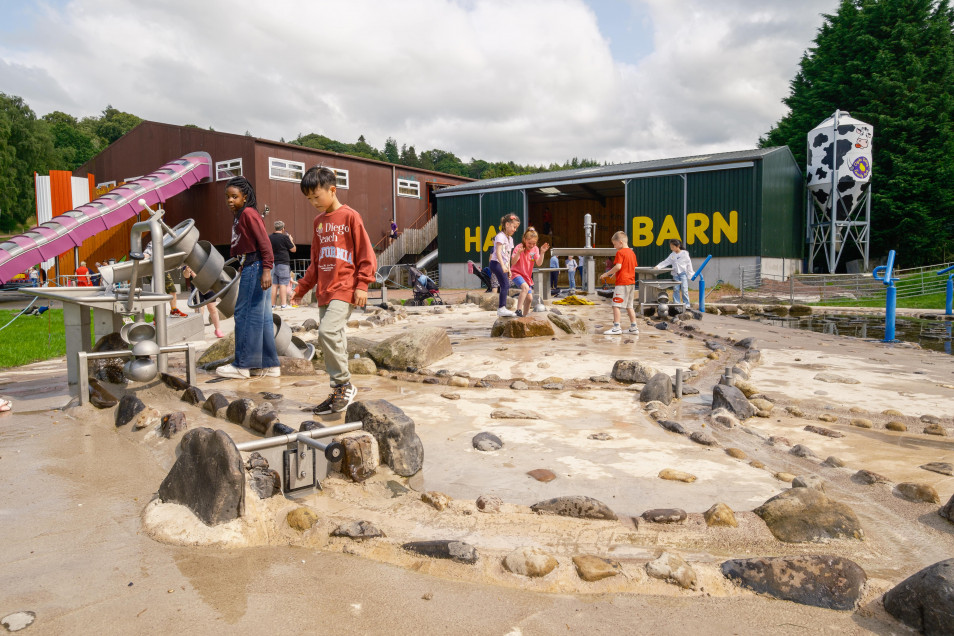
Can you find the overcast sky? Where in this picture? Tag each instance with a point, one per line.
(523, 80)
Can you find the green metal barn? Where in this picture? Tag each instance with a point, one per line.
(744, 208)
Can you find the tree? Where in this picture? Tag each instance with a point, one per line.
(115, 123)
(74, 144)
(391, 150)
(25, 146)
(889, 63)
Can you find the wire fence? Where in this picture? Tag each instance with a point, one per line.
(912, 282)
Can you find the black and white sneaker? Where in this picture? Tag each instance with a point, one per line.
(341, 396)
(518, 313)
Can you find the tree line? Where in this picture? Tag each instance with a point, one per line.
(56, 141)
(889, 63)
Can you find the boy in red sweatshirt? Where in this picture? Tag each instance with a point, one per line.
(342, 265)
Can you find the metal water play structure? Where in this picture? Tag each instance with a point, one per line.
(885, 273)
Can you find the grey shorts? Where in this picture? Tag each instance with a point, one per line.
(281, 274)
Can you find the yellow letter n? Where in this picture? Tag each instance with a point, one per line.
(729, 228)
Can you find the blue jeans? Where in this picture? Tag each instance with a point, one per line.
(682, 289)
(254, 329)
(571, 274)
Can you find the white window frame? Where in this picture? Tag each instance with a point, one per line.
(342, 178)
(225, 166)
(410, 184)
(285, 164)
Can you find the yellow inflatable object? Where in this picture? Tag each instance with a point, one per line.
(573, 300)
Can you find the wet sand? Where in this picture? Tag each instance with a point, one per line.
(77, 487)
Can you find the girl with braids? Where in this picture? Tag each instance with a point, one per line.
(254, 336)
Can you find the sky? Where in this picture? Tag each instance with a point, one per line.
(530, 81)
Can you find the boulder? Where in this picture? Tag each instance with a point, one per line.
(658, 388)
(129, 408)
(798, 450)
(720, 515)
(361, 455)
(568, 322)
(357, 530)
(417, 347)
(665, 515)
(925, 600)
(264, 481)
(301, 518)
(868, 477)
(575, 506)
(630, 371)
(400, 447)
(208, 477)
(525, 327)
(174, 383)
(916, 492)
(676, 475)
(295, 366)
(193, 395)
(805, 514)
(215, 403)
(485, 441)
(671, 567)
(240, 411)
(809, 481)
(701, 437)
(529, 561)
(358, 346)
(827, 581)
(673, 427)
(593, 568)
(220, 349)
(262, 417)
(173, 424)
(362, 366)
(444, 549)
(732, 399)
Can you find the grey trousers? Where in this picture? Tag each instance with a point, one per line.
(333, 319)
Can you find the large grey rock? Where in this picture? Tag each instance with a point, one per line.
(358, 346)
(528, 561)
(947, 510)
(567, 322)
(485, 441)
(826, 581)
(357, 530)
(240, 411)
(806, 514)
(672, 567)
(208, 477)
(659, 388)
(173, 424)
(215, 403)
(575, 506)
(925, 600)
(418, 347)
(400, 447)
(444, 549)
(733, 400)
(129, 407)
(193, 395)
(632, 371)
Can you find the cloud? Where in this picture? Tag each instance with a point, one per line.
(528, 81)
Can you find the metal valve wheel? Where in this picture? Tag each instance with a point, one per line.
(334, 452)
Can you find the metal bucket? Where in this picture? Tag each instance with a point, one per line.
(283, 337)
(141, 369)
(134, 332)
(207, 264)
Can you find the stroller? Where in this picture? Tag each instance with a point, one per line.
(424, 289)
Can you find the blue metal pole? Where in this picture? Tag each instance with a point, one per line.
(891, 302)
(702, 294)
(950, 288)
(702, 283)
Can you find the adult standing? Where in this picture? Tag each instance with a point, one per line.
(82, 276)
(554, 276)
(282, 247)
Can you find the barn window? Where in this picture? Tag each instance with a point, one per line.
(228, 169)
(408, 188)
(284, 170)
(342, 180)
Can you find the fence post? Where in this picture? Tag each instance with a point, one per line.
(791, 288)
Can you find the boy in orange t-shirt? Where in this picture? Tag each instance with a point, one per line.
(623, 294)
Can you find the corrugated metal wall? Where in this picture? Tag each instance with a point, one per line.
(721, 214)
(783, 206)
(459, 234)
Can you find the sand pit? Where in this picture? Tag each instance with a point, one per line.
(621, 470)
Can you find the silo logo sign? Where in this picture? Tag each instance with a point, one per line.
(861, 167)
(699, 227)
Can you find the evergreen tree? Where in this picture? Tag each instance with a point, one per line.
(889, 63)
(25, 146)
(391, 150)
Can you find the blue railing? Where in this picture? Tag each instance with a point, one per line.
(949, 305)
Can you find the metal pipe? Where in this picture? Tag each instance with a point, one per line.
(678, 388)
(291, 438)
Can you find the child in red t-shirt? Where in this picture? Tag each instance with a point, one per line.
(623, 294)
(522, 260)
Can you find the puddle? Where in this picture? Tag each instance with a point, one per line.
(930, 334)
